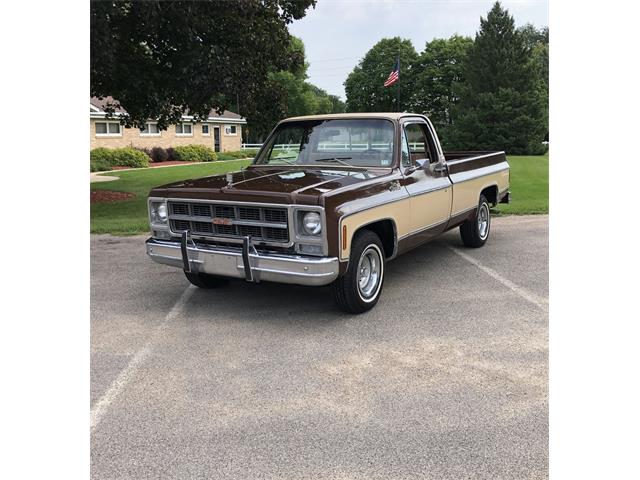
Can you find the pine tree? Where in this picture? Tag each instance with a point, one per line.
(501, 106)
(364, 87)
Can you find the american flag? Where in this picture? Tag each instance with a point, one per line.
(394, 75)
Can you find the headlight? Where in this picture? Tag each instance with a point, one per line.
(311, 223)
(158, 212)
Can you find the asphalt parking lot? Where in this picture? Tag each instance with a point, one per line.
(445, 379)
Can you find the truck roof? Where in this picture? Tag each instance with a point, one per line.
(329, 116)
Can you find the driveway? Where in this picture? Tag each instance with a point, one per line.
(445, 379)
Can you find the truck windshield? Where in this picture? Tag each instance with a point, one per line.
(352, 142)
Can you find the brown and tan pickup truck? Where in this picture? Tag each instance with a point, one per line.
(329, 199)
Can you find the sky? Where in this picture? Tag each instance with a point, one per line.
(338, 33)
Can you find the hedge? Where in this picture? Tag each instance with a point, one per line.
(102, 159)
(237, 154)
(194, 153)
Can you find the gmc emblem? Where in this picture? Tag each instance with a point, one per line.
(222, 221)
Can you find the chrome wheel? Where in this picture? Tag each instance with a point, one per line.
(483, 221)
(370, 271)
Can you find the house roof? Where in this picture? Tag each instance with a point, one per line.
(97, 106)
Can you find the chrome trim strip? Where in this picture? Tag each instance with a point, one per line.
(423, 229)
(295, 274)
(233, 238)
(458, 178)
(464, 211)
(229, 262)
(431, 190)
(355, 203)
(469, 159)
(233, 221)
(191, 260)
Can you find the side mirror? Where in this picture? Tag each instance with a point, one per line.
(420, 164)
(440, 167)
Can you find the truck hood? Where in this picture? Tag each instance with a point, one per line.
(274, 185)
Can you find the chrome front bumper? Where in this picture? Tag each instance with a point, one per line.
(243, 262)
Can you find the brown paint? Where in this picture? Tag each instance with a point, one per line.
(341, 190)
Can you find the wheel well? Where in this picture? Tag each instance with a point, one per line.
(386, 231)
(491, 194)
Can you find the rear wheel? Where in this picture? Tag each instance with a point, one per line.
(202, 280)
(358, 290)
(475, 231)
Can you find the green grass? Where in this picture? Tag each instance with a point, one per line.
(129, 217)
(529, 186)
(529, 191)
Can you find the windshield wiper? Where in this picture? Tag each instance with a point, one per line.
(336, 159)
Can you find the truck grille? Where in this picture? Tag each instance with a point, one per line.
(267, 224)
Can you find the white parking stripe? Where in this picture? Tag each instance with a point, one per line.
(102, 405)
(541, 303)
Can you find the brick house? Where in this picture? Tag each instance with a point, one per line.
(221, 132)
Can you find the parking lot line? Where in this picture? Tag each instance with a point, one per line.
(541, 303)
(115, 389)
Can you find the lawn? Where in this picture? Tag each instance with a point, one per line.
(130, 216)
(529, 191)
(529, 186)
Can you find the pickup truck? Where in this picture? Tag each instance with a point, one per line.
(328, 200)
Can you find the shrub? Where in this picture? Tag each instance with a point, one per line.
(144, 150)
(158, 154)
(101, 159)
(130, 157)
(237, 154)
(104, 155)
(106, 158)
(171, 154)
(194, 153)
(100, 165)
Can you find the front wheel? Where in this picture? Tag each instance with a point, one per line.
(475, 231)
(358, 290)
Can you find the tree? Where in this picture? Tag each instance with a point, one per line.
(290, 95)
(337, 105)
(164, 59)
(500, 104)
(537, 42)
(364, 86)
(437, 75)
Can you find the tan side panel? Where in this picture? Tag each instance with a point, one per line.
(430, 208)
(399, 211)
(467, 193)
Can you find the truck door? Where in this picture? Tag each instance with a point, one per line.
(429, 189)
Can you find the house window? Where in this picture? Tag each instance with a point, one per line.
(184, 129)
(108, 129)
(205, 129)
(150, 130)
(230, 130)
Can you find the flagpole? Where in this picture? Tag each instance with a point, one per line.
(398, 82)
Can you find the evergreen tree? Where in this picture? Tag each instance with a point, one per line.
(364, 86)
(437, 74)
(501, 106)
(537, 42)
